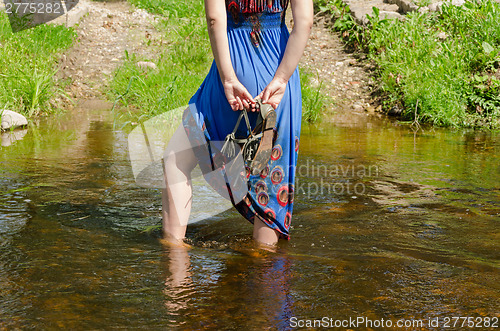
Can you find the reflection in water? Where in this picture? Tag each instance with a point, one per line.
(8, 138)
(419, 239)
(271, 284)
(178, 283)
(250, 284)
(230, 290)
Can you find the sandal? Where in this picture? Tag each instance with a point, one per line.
(257, 147)
(266, 122)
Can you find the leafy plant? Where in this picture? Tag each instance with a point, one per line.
(485, 95)
(442, 62)
(350, 31)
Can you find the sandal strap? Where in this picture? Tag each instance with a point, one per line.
(243, 113)
(244, 140)
(227, 148)
(264, 110)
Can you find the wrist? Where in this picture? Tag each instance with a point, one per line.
(280, 79)
(229, 78)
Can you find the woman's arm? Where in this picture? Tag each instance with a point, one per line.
(236, 94)
(302, 12)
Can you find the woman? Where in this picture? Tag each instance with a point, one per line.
(255, 57)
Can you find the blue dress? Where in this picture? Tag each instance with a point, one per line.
(257, 37)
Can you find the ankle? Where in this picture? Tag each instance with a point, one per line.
(263, 234)
(170, 241)
(173, 234)
(271, 247)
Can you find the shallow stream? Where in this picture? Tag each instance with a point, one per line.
(388, 224)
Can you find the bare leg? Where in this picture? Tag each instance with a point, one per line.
(178, 162)
(264, 234)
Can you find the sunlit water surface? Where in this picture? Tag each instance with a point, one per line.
(387, 224)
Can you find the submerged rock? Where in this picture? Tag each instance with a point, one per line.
(11, 120)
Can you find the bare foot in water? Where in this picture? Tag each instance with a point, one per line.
(171, 242)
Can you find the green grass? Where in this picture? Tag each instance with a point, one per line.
(28, 61)
(181, 64)
(172, 9)
(440, 68)
(314, 100)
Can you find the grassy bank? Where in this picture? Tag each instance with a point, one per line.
(441, 68)
(182, 63)
(28, 61)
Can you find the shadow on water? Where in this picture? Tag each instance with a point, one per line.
(387, 224)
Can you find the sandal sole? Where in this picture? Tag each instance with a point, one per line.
(264, 151)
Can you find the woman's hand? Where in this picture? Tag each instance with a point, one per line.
(273, 92)
(237, 95)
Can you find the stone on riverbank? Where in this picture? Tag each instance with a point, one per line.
(11, 120)
(144, 65)
(74, 15)
(391, 9)
(361, 8)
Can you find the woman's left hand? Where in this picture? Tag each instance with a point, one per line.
(273, 92)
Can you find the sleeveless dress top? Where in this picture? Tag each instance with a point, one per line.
(257, 36)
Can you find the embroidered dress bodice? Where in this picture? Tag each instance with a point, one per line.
(255, 15)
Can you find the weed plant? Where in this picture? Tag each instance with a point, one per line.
(28, 61)
(441, 68)
(183, 60)
(314, 100)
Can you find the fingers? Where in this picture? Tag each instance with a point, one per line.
(241, 98)
(248, 101)
(272, 93)
(248, 96)
(234, 105)
(244, 100)
(240, 103)
(245, 104)
(258, 97)
(265, 95)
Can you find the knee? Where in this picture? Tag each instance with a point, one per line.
(171, 163)
(177, 162)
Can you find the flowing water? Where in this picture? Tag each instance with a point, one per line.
(388, 224)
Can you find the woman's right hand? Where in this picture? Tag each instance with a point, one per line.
(237, 95)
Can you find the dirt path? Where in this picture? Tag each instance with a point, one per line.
(343, 76)
(111, 28)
